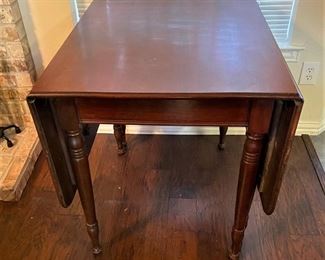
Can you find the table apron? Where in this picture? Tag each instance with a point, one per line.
(203, 112)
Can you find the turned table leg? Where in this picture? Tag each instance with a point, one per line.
(259, 122)
(80, 166)
(245, 191)
(119, 133)
(223, 132)
(82, 174)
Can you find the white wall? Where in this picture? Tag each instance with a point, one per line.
(308, 31)
(323, 116)
(48, 23)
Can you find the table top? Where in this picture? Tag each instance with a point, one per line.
(169, 49)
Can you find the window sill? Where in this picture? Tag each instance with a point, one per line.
(291, 53)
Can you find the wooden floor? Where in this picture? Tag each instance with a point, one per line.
(314, 153)
(319, 144)
(170, 197)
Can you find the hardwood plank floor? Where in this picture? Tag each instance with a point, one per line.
(169, 197)
(319, 143)
(313, 155)
(316, 148)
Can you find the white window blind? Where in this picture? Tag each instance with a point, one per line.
(279, 15)
(82, 6)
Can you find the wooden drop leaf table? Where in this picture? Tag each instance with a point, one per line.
(175, 62)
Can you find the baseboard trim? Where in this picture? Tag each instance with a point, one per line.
(310, 128)
(319, 170)
(172, 130)
(322, 127)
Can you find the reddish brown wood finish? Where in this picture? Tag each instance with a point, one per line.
(68, 119)
(119, 133)
(55, 147)
(259, 123)
(228, 112)
(167, 49)
(167, 63)
(284, 124)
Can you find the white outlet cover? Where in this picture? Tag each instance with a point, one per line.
(309, 73)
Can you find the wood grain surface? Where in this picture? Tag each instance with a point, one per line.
(166, 49)
(169, 197)
(227, 111)
(314, 157)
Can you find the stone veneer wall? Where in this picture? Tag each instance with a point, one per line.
(17, 74)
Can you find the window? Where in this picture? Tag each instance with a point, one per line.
(81, 6)
(279, 16)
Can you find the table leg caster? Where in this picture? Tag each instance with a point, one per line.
(233, 256)
(93, 233)
(123, 149)
(97, 250)
(221, 147)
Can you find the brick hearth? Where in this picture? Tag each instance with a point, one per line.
(16, 79)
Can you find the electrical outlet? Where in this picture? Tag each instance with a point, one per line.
(309, 73)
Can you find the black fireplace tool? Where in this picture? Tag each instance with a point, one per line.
(3, 135)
